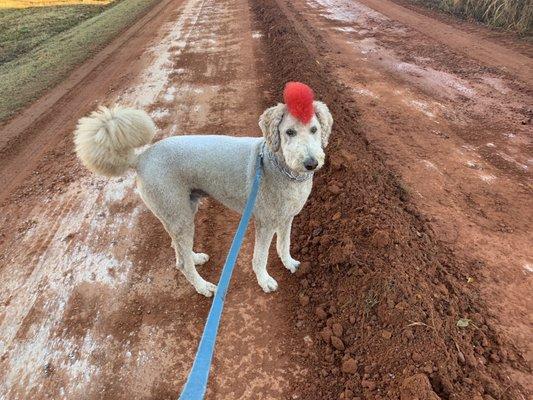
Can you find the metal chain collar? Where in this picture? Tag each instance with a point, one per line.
(284, 169)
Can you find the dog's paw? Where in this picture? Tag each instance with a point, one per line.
(267, 283)
(206, 288)
(291, 264)
(200, 258)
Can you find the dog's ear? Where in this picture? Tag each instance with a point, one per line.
(325, 119)
(269, 122)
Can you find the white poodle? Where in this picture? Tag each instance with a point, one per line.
(175, 173)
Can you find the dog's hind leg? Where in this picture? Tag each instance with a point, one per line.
(178, 220)
(195, 197)
(263, 238)
(283, 246)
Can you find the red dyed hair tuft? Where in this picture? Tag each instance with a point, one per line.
(299, 98)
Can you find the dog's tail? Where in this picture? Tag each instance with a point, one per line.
(105, 140)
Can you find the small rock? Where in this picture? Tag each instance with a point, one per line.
(337, 343)
(417, 357)
(308, 341)
(303, 269)
(336, 216)
(428, 368)
(352, 319)
(473, 165)
(334, 189)
(417, 387)
(402, 305)
(349, 366)
(380, 239)
(337, 329)
(370, 385)
(304, 300)
(386, 334)
(320, 313)
(326, 334)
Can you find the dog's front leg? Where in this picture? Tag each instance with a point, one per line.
(283, 245)
(263, 238)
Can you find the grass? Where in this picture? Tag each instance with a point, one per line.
(40, 46)
(23, 29)
(47, 3)
(513, 15)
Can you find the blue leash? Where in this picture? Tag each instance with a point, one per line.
(196, 384)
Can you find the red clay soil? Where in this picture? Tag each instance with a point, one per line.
(372, 313)
(380, 295)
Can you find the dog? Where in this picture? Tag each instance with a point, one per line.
(174, 174)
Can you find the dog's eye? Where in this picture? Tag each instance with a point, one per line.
(290, 132)
(314, 129)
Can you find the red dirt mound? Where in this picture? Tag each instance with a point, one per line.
(380, 296)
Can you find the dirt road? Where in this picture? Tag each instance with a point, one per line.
(420, 218)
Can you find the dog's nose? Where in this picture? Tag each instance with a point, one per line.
(310, 164)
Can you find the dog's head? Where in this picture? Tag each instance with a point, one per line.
(298, 130)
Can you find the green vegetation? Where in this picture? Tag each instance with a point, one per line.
(39, 46)
(514, 15)
(23, 29)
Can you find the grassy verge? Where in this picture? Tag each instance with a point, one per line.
(23, 29)
(513, 15)
(41, 60)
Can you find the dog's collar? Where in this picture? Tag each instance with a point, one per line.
(282, 167)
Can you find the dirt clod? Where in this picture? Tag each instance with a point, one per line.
(304, 300)
(337, 329)
(417, 387)
(380, 239)
(386, 334)
(326, 334)
(370, 385)
(320, 313)
(337, 343)
(349, 366)
(303, 269)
